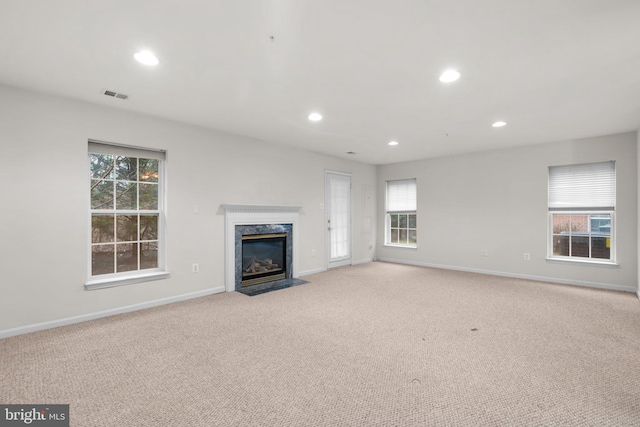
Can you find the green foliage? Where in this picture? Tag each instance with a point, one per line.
(123, 183)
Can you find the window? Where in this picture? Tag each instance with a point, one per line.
(126, 189)
(401, 221)
(582, 202)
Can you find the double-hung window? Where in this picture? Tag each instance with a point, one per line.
(401, 219)
(126, 193)
(582, 201)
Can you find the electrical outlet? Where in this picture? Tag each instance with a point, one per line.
(527, 256)
(196, 209)
(484, 252)
(195, 268)
(313, 252)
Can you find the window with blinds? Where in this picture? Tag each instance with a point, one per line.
(582, 201)
(401, 218)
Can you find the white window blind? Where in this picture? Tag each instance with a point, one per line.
(583, 187)
(401, 195)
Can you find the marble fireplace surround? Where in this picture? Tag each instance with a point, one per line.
(256, 215)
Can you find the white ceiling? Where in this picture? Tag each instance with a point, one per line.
(553, 69)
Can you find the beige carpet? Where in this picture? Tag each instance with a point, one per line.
(372, 345)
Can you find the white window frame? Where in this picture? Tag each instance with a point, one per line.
(392, 210)
(580, 201)
(572, 258)
(135, 276)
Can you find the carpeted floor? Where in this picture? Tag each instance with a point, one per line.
(372, 345)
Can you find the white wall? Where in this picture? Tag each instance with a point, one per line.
(493, 200)
(44, 227)
(497, 200)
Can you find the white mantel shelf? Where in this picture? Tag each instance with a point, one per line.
(260, 209)
(252, 215)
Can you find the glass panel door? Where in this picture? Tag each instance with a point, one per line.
(338, 194)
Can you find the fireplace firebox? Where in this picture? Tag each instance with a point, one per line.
(263, 258)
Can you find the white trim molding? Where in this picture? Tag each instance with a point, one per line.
(256, 215)
(314, 271)
(363, 261)
(126, 280)
(106, 313)
(596, 285)
(258, 209)
(324, 269)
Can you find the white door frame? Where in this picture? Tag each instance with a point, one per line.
(349, 260)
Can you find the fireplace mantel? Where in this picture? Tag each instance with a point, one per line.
(260, 209)
(254, 215)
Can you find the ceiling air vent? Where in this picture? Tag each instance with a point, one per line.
(114, 94)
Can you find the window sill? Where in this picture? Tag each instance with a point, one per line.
(125, 280)
(606, 264)
(389, 245)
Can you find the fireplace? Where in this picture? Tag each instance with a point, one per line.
(263, 258)
(254, 220)
(264, 253)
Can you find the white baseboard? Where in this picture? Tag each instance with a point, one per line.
(315, 271)
(362, 261)
(106, 313)
(518, 276)
(322, 270)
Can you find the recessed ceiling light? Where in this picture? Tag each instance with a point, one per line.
(499, 124)
(315, 117)
(147, 58)
(449, 76)
(392, 143)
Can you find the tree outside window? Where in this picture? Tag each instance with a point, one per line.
(125, 215)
